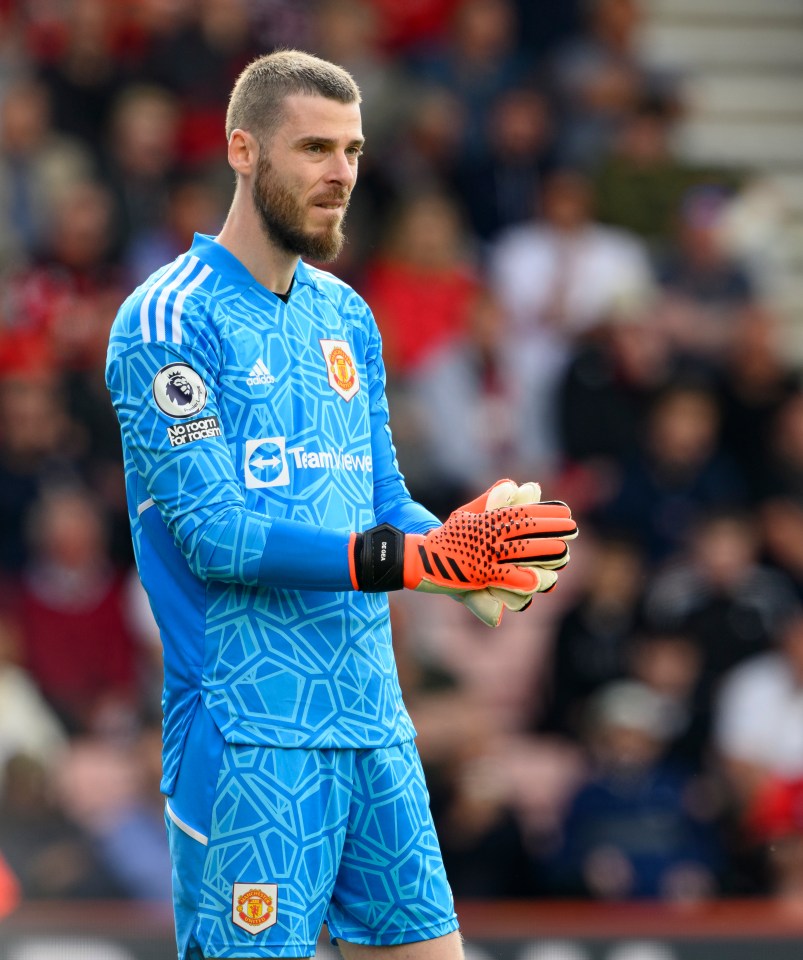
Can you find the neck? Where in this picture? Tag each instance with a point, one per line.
(243, 236)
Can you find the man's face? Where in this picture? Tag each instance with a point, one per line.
(305, 175)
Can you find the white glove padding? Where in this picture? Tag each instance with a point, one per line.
(485, 607)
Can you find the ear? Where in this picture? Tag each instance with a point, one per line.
(243, 152)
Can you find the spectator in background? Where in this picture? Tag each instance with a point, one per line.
(775, 823)
(467, 382)
(502, 187)
(721, 595)
(75, 639)
(421, 156)
(48, 852)
(478, 60)
(562, 274)
(670, 663)
(67, 299)
(413, 26)
(98, 458)
(592, 638)
(37, 166)
(494, 789)
(198, 62)
(110, 791)
(479, 833)
(28, 726)
(544, 26)
(14, 57)
(676, 475)
(427, 151)
(56, 312)
(347, 33)
(781, 507)
(640, 183)
(558, 277)
(80, 52)
(142, 156)
(193, 203)
(39, 444)
(759, 717)
(702, 285)
(758, 737)
(632, 830)
(423, 285)
(756, 381)
(598, 78)
(613, 376)
(425, 294)
(286, 23)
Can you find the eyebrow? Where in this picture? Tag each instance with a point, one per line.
(329, 141)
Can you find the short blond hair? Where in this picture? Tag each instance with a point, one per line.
(256, 101)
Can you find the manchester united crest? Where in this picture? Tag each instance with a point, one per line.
(254, 905)
(341, 368)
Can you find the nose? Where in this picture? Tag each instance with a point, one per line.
(342, 169)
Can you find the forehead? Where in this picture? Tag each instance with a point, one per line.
(313, 116)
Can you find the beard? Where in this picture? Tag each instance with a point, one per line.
(282, 217)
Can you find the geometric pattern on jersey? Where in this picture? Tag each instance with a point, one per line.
(348, 826)
(273, 440)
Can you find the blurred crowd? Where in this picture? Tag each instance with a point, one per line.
(561, 297)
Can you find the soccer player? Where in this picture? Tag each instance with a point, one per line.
(269, 520)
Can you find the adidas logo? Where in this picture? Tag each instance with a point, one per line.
(260, 374)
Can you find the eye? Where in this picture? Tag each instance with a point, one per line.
(314, 148)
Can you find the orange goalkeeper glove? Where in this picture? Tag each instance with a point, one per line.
(508, 548)
(489, 604)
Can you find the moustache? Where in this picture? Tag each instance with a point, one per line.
(332, 198)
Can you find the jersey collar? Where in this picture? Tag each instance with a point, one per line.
(207, 249)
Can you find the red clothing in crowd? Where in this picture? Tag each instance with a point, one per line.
(406, 24)
(80, 653)
(417, 311)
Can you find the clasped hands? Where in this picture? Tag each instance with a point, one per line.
(495, 552)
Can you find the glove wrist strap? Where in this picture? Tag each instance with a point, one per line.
(379, 559)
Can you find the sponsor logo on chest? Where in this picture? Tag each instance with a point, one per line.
(268, 461)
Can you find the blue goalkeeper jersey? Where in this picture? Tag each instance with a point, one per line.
(256, 439)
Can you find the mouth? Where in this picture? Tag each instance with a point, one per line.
(331, 203)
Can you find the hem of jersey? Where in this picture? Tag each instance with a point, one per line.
(233, 735)
(241, 952)
(185, 827)
(397, 938)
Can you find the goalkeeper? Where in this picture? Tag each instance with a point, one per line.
(269, 521)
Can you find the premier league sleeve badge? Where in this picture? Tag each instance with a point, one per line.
(179, 391)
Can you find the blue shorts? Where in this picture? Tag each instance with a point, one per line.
(269, 843)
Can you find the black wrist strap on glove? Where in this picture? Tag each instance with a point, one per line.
(379, 559)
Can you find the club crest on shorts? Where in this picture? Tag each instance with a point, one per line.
(341, 368)
(179, 391)
(254, 905)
